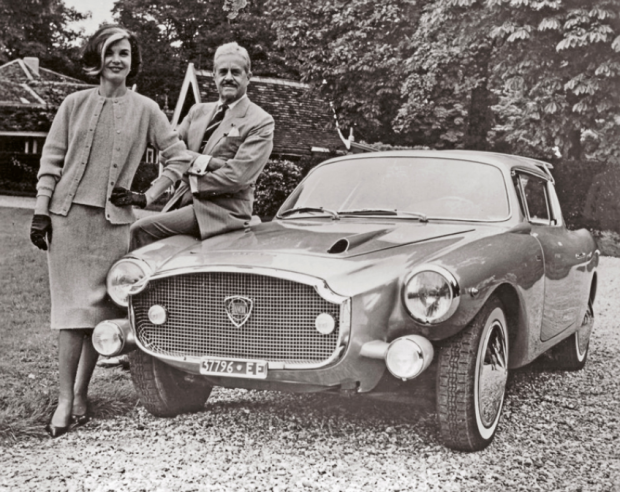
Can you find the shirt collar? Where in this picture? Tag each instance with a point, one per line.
(231, 105)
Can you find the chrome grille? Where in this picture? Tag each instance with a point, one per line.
(281, 327)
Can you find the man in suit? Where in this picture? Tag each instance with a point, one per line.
(230, 142)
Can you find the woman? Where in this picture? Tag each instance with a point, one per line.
(95, 144)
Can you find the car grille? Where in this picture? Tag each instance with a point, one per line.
(281, 327)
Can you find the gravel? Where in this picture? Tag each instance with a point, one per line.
(560, 432)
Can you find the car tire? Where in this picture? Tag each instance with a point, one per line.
(571, 353)
(163, 390)
(472, 372)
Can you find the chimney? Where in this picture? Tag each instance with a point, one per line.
(32, 62)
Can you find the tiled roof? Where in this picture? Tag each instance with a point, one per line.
(303, 119)
(28, 100)
(19, 71)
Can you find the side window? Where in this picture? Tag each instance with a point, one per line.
(536, 199)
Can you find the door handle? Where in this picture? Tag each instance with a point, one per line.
(580, 256)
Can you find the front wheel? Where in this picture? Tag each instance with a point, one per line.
(471, 380)
(163, 390)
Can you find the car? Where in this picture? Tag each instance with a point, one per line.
(378, 269)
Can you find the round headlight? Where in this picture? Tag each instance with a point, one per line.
(127, 277)
(431, 295)
(108, 339)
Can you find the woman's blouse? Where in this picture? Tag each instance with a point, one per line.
(137, 121)
(92, 189)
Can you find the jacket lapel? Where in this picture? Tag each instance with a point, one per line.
(232, 116)
(197, 130)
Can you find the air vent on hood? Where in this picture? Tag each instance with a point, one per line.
(339, 246)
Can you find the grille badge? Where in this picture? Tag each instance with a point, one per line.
(238, 309)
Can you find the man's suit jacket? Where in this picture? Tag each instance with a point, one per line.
(225, 196)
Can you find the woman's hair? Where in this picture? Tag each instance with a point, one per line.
(97, 45)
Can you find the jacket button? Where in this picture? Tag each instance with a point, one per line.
(114, 165)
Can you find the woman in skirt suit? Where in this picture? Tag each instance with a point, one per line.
(95, 143)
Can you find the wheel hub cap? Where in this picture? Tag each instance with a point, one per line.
(493, 376)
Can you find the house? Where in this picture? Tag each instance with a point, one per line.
(29, 98)
(304, 122)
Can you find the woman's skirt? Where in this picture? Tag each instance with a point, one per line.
(84, 246)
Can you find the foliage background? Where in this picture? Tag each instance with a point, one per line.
(539, 78)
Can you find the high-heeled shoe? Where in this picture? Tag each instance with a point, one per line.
(79, 420)
(56, 431)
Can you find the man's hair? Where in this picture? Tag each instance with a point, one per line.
(233, 49)
(93, 55)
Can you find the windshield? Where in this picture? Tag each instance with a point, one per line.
(405, 186)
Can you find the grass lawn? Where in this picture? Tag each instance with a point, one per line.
(28, 348)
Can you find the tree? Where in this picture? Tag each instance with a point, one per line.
(39, 28)
(350, 51)
(544, 72)
(176, 32)
(560, 77)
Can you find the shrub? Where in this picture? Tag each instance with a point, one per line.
(275, 183)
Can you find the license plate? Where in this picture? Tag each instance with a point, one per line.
(256, 369)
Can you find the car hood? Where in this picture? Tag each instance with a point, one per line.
(349, 255)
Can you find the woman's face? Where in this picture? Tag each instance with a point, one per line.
(117, 62)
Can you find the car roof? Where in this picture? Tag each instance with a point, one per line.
(506, 161)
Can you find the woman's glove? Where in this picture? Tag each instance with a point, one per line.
(40, 228)
(122, 197)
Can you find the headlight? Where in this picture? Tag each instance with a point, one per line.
(431, 294)
(127, 277)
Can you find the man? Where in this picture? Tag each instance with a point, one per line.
(230, 142)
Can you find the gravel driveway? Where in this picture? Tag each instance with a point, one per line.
(560, 432)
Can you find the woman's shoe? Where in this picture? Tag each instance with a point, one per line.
(79, 420)
(55, 431)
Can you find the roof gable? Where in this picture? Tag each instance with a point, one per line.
(303, 119)
(29, 100)
(18, 71)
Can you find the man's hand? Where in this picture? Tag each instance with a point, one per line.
(122, 197)
(40, 228)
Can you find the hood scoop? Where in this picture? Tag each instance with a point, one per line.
(346, 244)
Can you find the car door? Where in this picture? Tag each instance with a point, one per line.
(562, 255)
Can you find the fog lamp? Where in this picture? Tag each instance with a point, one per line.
(157, 314)
(407, 357)
(108, 339)
(325, 323)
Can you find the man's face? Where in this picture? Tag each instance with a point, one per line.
(230, 76)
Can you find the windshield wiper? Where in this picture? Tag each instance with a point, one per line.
(302, 210)
(385, 211)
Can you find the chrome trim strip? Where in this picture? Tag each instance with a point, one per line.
(320, 285)
(454, 288)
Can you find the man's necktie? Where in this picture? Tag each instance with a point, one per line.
(213, 124)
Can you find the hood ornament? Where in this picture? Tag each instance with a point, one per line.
(238, 309)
